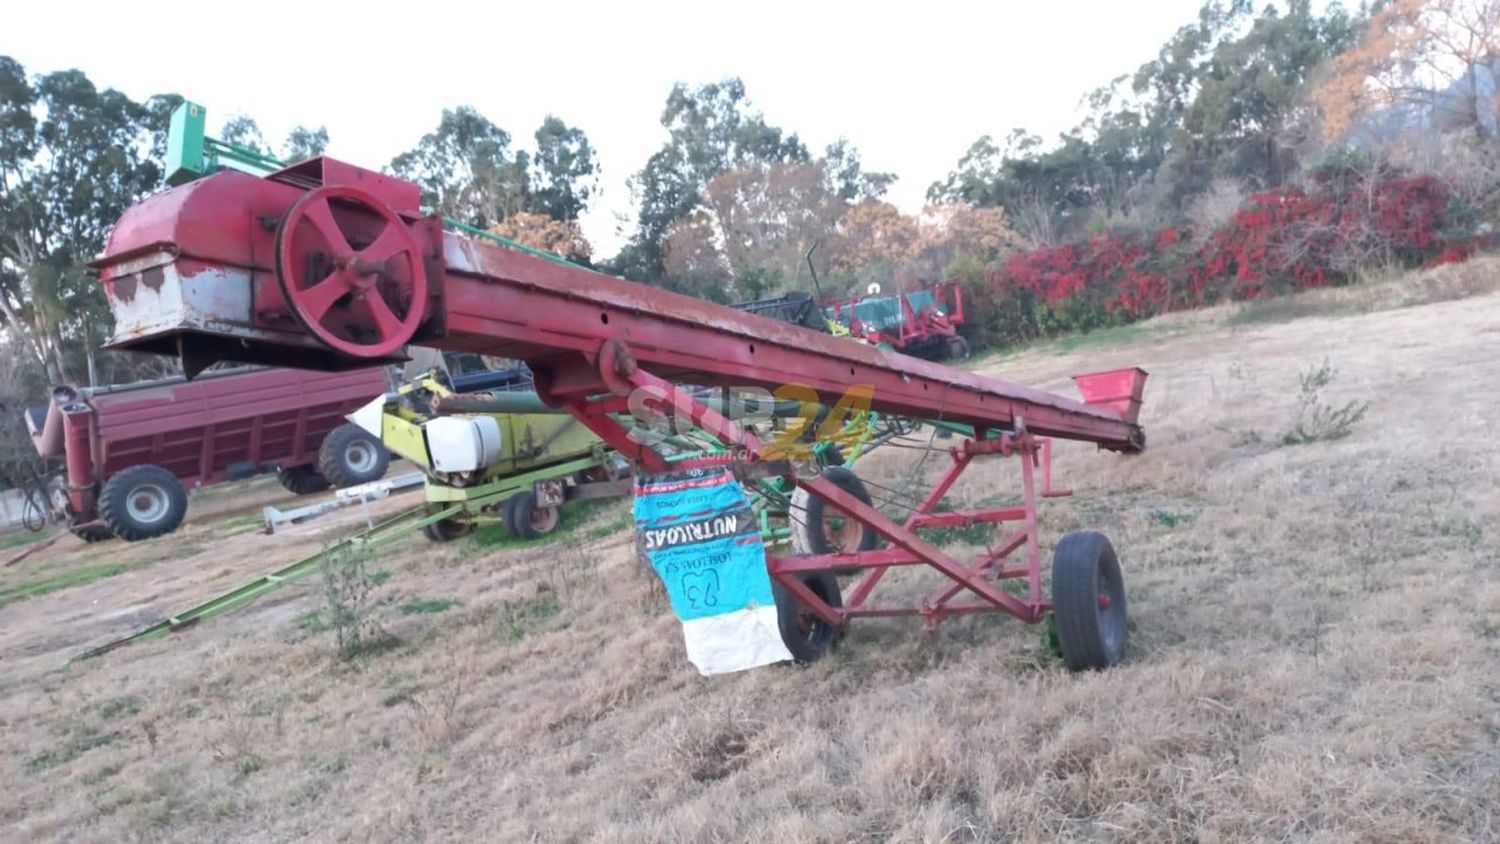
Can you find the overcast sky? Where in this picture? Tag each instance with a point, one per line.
(911, 84)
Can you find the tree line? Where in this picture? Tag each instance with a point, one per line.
(1247, 98)
(729, 207)
(1268, 147)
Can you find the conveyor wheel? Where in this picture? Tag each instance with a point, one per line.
(807, 636)
(1088, 601)
(819, 528)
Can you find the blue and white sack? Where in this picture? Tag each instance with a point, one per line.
(701, 536)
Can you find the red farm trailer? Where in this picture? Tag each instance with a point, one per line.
(921, 322)
(130, 453)
(329, 266)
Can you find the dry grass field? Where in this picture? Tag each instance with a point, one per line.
(1315, 644)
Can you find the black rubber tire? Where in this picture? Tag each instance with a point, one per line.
(807, 511)
(91, 533)
(1084, 568)
(142, 502)
(351, 456)
(807, 636)
(448, 530)
(958, 348)
(525, 520)
(505, 517)
(302, 480)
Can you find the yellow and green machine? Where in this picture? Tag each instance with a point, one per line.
(504, 457)
(493, 458)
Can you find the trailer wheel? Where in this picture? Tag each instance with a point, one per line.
(447, 530)
(1088, 601)
(807, 636)
(818, 528)
(91, 533)
(528, 521)
(350, 456)
(142, 502)
(302, 480)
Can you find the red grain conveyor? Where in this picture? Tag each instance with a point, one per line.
(328, 266)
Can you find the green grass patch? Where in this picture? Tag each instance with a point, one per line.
(425, 606)
(74, 743)
(1467, 531)
(1114, 336)
(25, 537)
(999, 500)
(624, 524)
(979, 533)
(120, 707)
(62, 580)
(241, 524)
(1288, 308)
(520, 618)
(312, 621)
(1488, 628)
(574, 514)
(1166, 518)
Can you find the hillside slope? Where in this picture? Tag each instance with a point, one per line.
(1315, 648)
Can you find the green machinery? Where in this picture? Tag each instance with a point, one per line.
(505, 457)
(515, 466)
(191, 154)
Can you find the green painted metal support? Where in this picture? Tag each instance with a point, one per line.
(191, 154)
(382, 534)
(185, 139)
(964, 430)
(474, 498)
(442, 503)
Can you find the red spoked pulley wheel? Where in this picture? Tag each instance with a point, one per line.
(351, 270)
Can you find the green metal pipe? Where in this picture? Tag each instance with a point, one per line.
(966, 430)
(383, 533)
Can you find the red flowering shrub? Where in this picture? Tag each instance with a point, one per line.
(1458, 251)
(1282, 240)
(1111, 278)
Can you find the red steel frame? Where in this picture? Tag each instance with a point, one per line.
(224, 268)
(978, 579)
